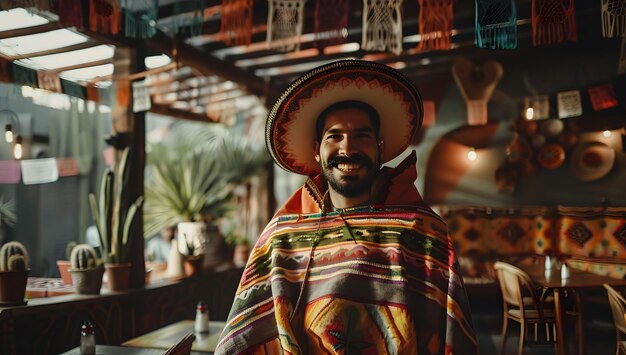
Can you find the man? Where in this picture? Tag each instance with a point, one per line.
(354, 262)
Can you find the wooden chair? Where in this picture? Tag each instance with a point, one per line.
(618, 307)
(522, 304)
(183, 347)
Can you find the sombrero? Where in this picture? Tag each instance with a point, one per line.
(592, 161)
(290, 127)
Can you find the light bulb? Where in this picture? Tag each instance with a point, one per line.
(17, 148)
(471, 155)
(530, 113)
(606, 133)
(8, 133)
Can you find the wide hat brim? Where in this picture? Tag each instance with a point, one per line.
(290, 127)
(592, 161)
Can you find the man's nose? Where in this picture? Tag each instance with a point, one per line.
(346, 147)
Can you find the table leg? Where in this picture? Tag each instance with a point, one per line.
(560, 341)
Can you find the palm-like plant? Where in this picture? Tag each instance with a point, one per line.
(184, 190)
(7, 216)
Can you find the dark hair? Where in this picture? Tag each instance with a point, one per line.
(360, 105)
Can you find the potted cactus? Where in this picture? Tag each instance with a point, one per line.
(13, 274)
(86, 270)
(114, 221)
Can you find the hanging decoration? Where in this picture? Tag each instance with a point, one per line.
(382, 26)
(23, 75)
(10, 172)
(496, 24)
(284, 24)
(105, 16)
(569, 104)
(188, 25)
(477, 83)
(236, 24)
(92, 93)
(602, 97)
(71, 13)
(553, 21)
(48, 80)
(73, 89)
(613, 18)
(435, 24)
(140, 18)
(331, 22)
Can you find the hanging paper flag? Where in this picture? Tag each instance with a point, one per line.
(429, 113)
(73, 89)
(39, 171)
(23, 75)
(140, 18)
(284, 24)
(569, 104)
(71, 13)
(382, 26)
(105, 16)
(331, 22)
(122, 92)
(48, 80)
(553, 21)
(141, 96)
(537, 107)
(67, 166)
(435, 24)
(92, 93)
(236, 24)
(613, 18)
(477, 83)
(185, 25)
(602, 97)
(10, 172)
(496, 24)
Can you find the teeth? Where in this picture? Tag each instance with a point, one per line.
(348, 167)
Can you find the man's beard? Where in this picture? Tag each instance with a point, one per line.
(350, 185)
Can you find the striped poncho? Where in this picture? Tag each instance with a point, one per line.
(380, 279)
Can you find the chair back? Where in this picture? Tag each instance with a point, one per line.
(618, 307)
(183, 347)
(516, 286)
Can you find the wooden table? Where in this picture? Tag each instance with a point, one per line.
(552, 280)
(169, 335)
(111, 349)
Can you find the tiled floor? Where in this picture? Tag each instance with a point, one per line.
(599, 334)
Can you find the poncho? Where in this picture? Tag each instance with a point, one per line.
(378, 279)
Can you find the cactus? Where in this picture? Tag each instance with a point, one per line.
(83, 257)
(10, 249)
(112, 216)
(17, 262)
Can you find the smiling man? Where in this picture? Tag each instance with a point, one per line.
(354, 262)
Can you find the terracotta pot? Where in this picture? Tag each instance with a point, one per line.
(193, 264)
(13, 287)
(87, 281)
(64, 267)
(118, 276)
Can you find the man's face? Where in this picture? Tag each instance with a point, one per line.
(349, 152)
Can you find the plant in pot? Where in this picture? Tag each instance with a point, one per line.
(13, 273)
(65, 264)
(86, 270)
(184, 192)
(114, 222)
(8, 218)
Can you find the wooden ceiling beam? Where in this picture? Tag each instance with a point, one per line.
(205, 63)
(25, 31)
(73, 47)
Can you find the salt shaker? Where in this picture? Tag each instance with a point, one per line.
(564, 271)
(202, 318)
(548, 262)
(87, 338)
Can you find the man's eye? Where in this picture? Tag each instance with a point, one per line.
(333, 137)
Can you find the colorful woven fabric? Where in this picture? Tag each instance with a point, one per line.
(379, 279)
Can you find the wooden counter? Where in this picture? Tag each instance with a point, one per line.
(52, 325)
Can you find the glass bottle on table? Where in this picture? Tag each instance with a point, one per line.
(87, 338)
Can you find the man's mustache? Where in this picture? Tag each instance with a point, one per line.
(355, 159)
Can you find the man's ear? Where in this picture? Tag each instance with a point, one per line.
(381, 145)
(316, 150)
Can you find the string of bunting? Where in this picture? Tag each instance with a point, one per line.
(435, 24)
(236, 24)
(382, 26)
(553, 21)
(496, 24)
(331, 22)
(37, 171)
(284, 24)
